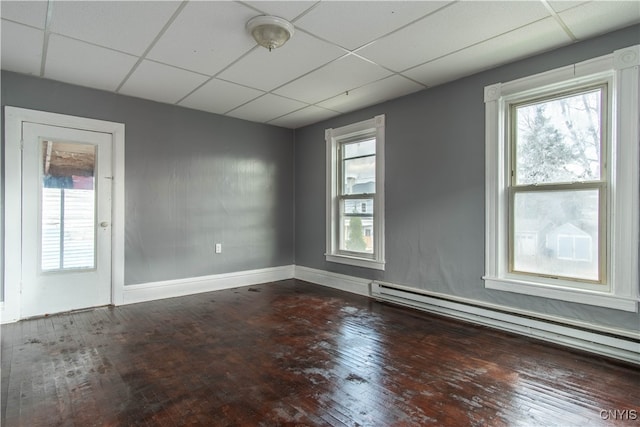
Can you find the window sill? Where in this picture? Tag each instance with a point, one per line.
(581, 296)
(355, 261)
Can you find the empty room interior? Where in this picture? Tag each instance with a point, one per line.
(310, 213)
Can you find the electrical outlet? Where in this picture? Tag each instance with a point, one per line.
(218, 248)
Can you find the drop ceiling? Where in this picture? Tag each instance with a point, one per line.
(344, 55)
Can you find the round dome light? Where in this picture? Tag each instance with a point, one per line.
(270, 31)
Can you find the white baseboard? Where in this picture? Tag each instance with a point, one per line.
(175, 288)
(610, 342)
(342, 282)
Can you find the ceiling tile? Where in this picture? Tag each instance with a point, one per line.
(352, 24)
(373, 93)
(306, 116)
(525, 41)
(206, 37)
(128, 26)
(591, 19)
(284, 9)
(339, 76)
(25, 56)
(267, 70)
(91, 43)
(84, 64)
(560, 5)
(218, 96)
(32, 13)
(455, 27)
(266, 108)
(160, 82)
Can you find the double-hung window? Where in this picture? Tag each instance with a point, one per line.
(558, 185)
(355, 194)
(562, 183)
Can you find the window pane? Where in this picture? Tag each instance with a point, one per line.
(68, 206)
(51, 202)
(356, 233)
(359, 175)
(359, 167)
(558, 140)
(79, 237)
(556, 233)
(360, 148)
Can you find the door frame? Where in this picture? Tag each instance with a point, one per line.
(11, 250)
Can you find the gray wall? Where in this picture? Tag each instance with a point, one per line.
(435, 187)
(192, 179)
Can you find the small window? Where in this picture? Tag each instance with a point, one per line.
(355, 199)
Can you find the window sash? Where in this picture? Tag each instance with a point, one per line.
(342, 159)
(600, 185)
(342, 237)
(512, 120)
(601, 247)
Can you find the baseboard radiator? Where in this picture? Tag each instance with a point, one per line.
(613, 343)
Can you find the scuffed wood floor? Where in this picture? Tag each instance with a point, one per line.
(295, 354)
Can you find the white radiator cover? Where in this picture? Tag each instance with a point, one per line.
(614, 343)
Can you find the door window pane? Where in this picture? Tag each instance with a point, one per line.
(51, 202)
(556, 233)
(68, 206)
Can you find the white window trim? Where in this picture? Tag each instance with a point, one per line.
(332, 137)
(622, 273)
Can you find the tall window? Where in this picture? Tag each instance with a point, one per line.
(355, 199)
(357, 169)
(562, 183)
(557, 187)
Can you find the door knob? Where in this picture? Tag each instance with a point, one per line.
(104, 224)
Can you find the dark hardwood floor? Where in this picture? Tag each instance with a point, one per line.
(295, 354)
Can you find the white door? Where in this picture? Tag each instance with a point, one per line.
(66, 219)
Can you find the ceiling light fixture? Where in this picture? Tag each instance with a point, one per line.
(270, 31)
